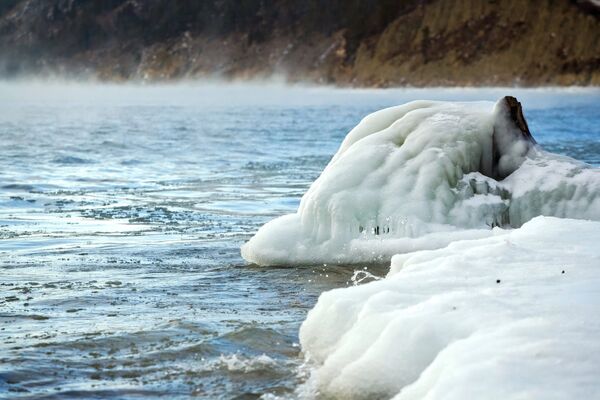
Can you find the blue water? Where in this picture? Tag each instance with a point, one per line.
(122, 210)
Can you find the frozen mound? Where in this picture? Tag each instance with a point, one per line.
(421, 175)
(512, 316)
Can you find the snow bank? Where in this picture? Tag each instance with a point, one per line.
(421, 175)
(512, 316)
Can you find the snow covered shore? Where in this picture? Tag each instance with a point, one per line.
(512, 316)
(494, 285)
(420, 176)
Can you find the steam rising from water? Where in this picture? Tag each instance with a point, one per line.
(211, 93)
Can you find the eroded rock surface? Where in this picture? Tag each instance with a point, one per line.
(361, 42)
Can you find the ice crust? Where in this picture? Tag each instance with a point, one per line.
(420, 176)
(491, 318)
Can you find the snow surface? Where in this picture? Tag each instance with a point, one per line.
(511, 316)
(420, 176)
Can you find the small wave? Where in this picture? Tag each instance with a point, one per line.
(67, 160)
(19, 186)
(266, 166)
(252, 339)
(132, 162)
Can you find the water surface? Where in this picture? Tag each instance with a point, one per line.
(122, 210)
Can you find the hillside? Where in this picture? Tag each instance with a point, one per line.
(354, 42)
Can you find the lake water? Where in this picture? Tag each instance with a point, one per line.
(122, 210)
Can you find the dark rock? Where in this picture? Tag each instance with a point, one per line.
(511, 140)
(516, 115)
(591, 6)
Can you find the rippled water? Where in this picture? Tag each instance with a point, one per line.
(122, 210)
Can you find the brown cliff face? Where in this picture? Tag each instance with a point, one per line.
(493, 42)
(356, 42)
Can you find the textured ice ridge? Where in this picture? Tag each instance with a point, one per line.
(421, 175)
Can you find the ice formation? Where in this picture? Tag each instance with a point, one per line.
(511, 316)
(424, 174)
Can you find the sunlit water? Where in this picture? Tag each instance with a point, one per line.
(122, 210)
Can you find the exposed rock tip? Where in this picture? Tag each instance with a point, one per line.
(516, 115)
(511, 139)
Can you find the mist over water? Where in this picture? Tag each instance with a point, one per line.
(123, 208)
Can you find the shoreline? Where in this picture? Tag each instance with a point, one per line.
(267, 82)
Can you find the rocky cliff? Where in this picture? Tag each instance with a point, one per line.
(352, 42)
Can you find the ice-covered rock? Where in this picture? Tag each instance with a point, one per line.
(424, 174)
(511, 316)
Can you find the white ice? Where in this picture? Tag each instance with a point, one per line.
(511, 316)
(489, 295)
(420, 176)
